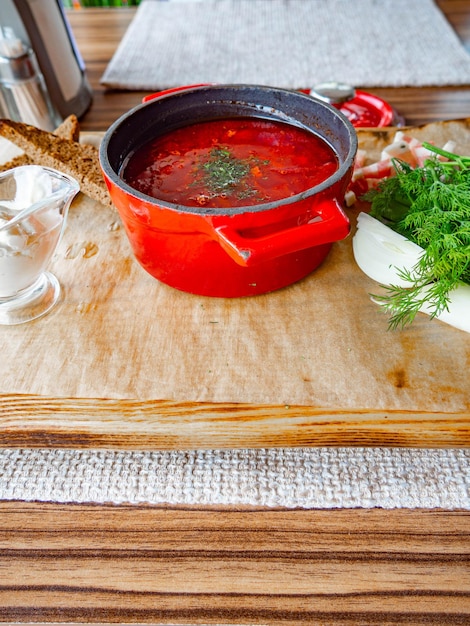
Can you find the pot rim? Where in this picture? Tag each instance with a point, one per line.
(338, 175)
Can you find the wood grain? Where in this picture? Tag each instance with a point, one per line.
(36, 421)
(104, 564)
(210, 566)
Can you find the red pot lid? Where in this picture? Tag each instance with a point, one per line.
(366, 109)
(361, 108)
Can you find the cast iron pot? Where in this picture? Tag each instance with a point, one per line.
(240, 251)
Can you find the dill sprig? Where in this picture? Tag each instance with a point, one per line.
(223, 171)
(430, 205)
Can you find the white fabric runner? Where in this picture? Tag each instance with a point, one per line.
(323, 478)
(288, 43)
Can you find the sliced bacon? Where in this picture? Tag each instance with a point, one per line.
(403, 147)
(379, 169)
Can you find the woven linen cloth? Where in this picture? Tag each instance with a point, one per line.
(321, 478)
(288, 43)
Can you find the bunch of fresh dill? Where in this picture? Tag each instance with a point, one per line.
(430, 205)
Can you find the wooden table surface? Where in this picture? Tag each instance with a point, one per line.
(202, 565)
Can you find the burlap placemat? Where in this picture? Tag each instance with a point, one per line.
(288, 43)
(322, 478)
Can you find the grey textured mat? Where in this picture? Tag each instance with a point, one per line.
(322, 478)
(288, 43)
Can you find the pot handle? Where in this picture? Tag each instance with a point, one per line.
(166, 92)
(247, 251)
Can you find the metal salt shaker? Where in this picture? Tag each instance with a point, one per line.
(23, 93)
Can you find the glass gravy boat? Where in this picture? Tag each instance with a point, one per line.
(34, 203)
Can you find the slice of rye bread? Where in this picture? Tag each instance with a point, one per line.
(70, 157)
(69, 129)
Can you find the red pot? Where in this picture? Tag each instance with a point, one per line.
(239, 251)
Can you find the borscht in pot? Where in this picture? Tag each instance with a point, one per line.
(230, 190)
(230, 163)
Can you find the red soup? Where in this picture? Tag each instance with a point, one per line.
(230, 163)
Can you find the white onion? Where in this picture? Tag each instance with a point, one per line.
(380, 252)
(458, 313)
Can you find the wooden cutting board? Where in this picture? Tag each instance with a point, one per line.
(125, 361)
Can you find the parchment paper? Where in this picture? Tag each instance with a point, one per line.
(119, 333)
